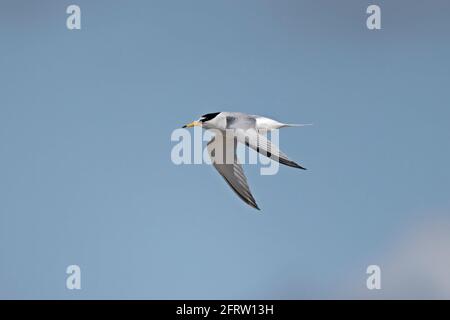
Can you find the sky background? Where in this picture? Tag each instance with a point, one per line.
(86, 176)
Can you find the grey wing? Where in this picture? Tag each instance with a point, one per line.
(231, 172)
(237, 120)
(252, 139)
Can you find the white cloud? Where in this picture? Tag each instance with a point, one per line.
(417, 266)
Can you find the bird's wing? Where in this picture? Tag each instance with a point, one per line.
(236, 120)
(220, 149)
(252, 139)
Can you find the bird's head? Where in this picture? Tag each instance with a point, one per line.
(203, 121)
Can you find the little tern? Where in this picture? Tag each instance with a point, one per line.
(234, 127)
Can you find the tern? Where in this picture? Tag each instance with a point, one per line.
(231, 128)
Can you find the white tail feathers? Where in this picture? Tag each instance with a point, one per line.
(263, 123)
(297, 125)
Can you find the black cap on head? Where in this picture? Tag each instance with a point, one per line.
(209, 116)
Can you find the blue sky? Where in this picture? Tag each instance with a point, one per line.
(86, 175)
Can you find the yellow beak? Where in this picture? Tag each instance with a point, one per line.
(192, 124)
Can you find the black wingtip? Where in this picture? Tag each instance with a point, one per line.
(296, 165)
(253, 205)
(291, 163)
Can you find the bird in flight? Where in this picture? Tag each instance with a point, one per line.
(231, 128)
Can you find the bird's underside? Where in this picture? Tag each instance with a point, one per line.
(222, 151)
